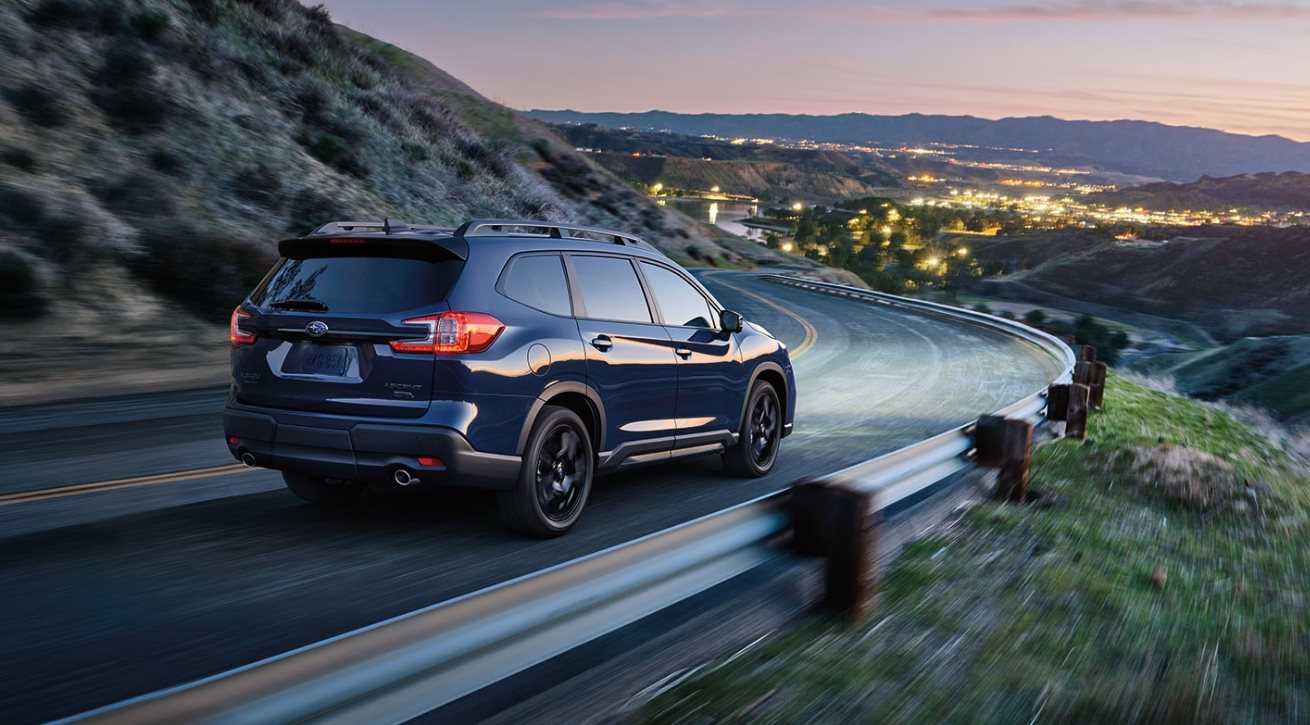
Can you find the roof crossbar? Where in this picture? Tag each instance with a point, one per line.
(553, 230)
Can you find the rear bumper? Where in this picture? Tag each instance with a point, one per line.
(365, 451)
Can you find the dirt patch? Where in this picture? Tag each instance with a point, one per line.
(1194, 479)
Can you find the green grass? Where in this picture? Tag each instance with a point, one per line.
(1051, 610)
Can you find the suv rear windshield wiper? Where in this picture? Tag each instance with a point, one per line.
(314, 305)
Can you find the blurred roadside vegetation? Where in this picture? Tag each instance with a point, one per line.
(1160, 577)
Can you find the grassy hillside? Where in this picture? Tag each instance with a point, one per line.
(152, 150)
(764, 179)
(1268, 372)
(1257, 192)
(1160, 577)
(1232, 281)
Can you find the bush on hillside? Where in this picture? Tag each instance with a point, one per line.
(21, 206)
(258, 184)
(128, 91)
(38, 104)
(138, 194)
(20, 159)
(205, 271)
(151, 24)
(312, 209)
(22, 292)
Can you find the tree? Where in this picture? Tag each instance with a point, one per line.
(1035, 318)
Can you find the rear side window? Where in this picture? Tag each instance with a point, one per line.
(610, 289)
(537, 280)
(357, 284)
(681, 304)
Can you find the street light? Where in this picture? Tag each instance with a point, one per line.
(798, 206)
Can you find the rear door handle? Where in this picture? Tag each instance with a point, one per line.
(683, 353)
(602, 343)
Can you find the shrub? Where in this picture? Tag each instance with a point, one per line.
(165, 161)
(136, 194)
(39, 105)
(21, 206)
(258, 184)
(20, 159)
(127, 92)
(326, 147)
(151, 24)
(311, 209)
(207, 10)
(61, 14)
(65, 238)
(110, 16)
(318, 15)
(272, 9)
(334, 151)
(204, 271)
(22, 291)
(310, 100)
(292, 50)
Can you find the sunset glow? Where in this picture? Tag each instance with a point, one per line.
(1236, 66)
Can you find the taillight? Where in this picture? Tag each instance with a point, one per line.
(238, 335)
(452, 332)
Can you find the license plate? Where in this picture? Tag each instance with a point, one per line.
(325, 361)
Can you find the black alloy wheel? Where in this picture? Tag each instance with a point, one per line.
(561, 467)
(555, 478)
(760, 435)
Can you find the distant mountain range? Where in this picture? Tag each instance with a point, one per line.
(1177, 153)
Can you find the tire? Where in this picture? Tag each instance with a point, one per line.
(760, 434)
(324, 491)
(555, 479)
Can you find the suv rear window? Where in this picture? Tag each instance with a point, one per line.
(359, 284)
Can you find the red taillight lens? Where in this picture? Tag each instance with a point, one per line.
(452, 332)
(238, 335)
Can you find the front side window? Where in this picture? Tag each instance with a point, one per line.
(538, 281)
(610, 289)
(682, 304)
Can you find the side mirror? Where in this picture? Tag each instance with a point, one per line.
(730, 321)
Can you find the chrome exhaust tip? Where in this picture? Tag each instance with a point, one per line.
(404, 477)
(248, 459)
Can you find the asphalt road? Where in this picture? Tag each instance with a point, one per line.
(110, 594)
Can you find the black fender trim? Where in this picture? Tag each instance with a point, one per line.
(560, 388)
(782, 394)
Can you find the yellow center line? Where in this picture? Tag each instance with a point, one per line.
(81, 488)
(811, 334)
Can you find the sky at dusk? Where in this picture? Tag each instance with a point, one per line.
(1238, 66)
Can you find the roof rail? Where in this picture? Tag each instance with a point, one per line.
(553, 230)
(386, 226)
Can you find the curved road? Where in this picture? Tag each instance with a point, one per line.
(114, 593)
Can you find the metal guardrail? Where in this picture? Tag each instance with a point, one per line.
(401, 668)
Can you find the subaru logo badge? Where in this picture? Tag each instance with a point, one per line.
(317, 328)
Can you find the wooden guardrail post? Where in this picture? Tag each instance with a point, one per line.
(1005, 444)
(842, 525)
(1097, 384)
(1086, 353)
(810, 527)
(1075, 421)
(851, 579)
(1082, 373)
(1057, 402)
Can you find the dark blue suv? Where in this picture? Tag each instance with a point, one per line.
(520, 356)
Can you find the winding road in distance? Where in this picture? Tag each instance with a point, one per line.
(115, 585)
